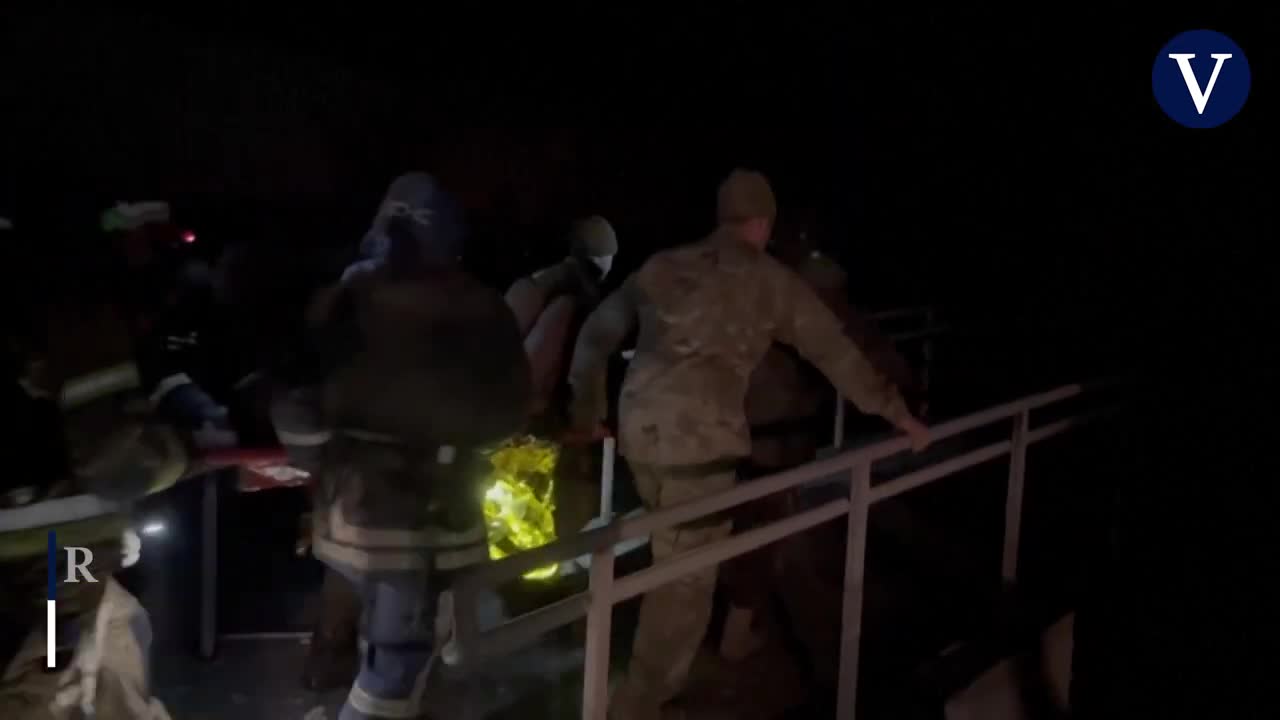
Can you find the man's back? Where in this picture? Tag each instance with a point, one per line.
(708, 313)
(438, 358)
(549, 307)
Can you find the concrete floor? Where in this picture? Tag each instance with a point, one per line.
(259, 680)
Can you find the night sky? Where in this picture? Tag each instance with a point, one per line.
(1009, 165)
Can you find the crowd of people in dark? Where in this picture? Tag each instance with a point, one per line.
(386, 384)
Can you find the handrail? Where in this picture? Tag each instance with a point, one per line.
(514, 566)
(604, 591)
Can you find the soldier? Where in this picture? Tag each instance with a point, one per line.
(550, 307)
(427, 369)
(551, 304)
(783, 401)
(84, 448)
(707, 313)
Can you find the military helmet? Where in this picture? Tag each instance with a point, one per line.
(593, 237)
(131, 216)
(745, 195)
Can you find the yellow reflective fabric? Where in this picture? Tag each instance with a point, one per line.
(518, 502)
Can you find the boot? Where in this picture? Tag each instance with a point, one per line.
(334, 657)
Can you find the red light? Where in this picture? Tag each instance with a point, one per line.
(188, 237)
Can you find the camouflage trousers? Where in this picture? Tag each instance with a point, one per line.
(674, 617)
(109, 671)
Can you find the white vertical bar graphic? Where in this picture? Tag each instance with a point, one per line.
(51, 634)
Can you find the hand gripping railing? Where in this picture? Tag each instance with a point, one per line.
(605, 591)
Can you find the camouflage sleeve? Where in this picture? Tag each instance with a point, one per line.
(117, 450)
(600, 337)
(814, 330)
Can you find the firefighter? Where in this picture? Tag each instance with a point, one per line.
(173, 318)
(550, 306)
(426, 369)
(707, 313)
(84, 447)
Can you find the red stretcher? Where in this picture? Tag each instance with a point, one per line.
(257, 468)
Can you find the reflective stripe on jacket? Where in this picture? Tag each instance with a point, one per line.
(116, 457)
(382, 508)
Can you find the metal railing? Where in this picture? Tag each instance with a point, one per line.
(604, 590)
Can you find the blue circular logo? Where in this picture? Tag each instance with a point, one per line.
(1200, 79)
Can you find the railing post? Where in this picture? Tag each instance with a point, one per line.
(606, 478)
(595, 676)
(855, 566)
(837, 431)
(1013, 501)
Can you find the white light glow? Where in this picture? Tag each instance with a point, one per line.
(152, 529)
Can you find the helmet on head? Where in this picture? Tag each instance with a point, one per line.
(745, 195)
(417, 218)
(593, 240)
(131, 216)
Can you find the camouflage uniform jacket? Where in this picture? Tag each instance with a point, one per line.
(708, 313)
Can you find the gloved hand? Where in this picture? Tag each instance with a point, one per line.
(214, 435)
(191, 408)
(586, 435)
(917, 432)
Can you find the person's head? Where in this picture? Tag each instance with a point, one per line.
(746, 207)
(139, 232)
(593, 243)
(417, 222)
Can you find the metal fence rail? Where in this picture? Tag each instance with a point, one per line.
(604, 590)
(914, 325)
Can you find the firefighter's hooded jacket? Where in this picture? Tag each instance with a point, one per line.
(427, 369)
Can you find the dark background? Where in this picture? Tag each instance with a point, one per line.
(1007, 164)
(999, 163)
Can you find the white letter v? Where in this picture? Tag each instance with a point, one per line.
(1193, 85)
